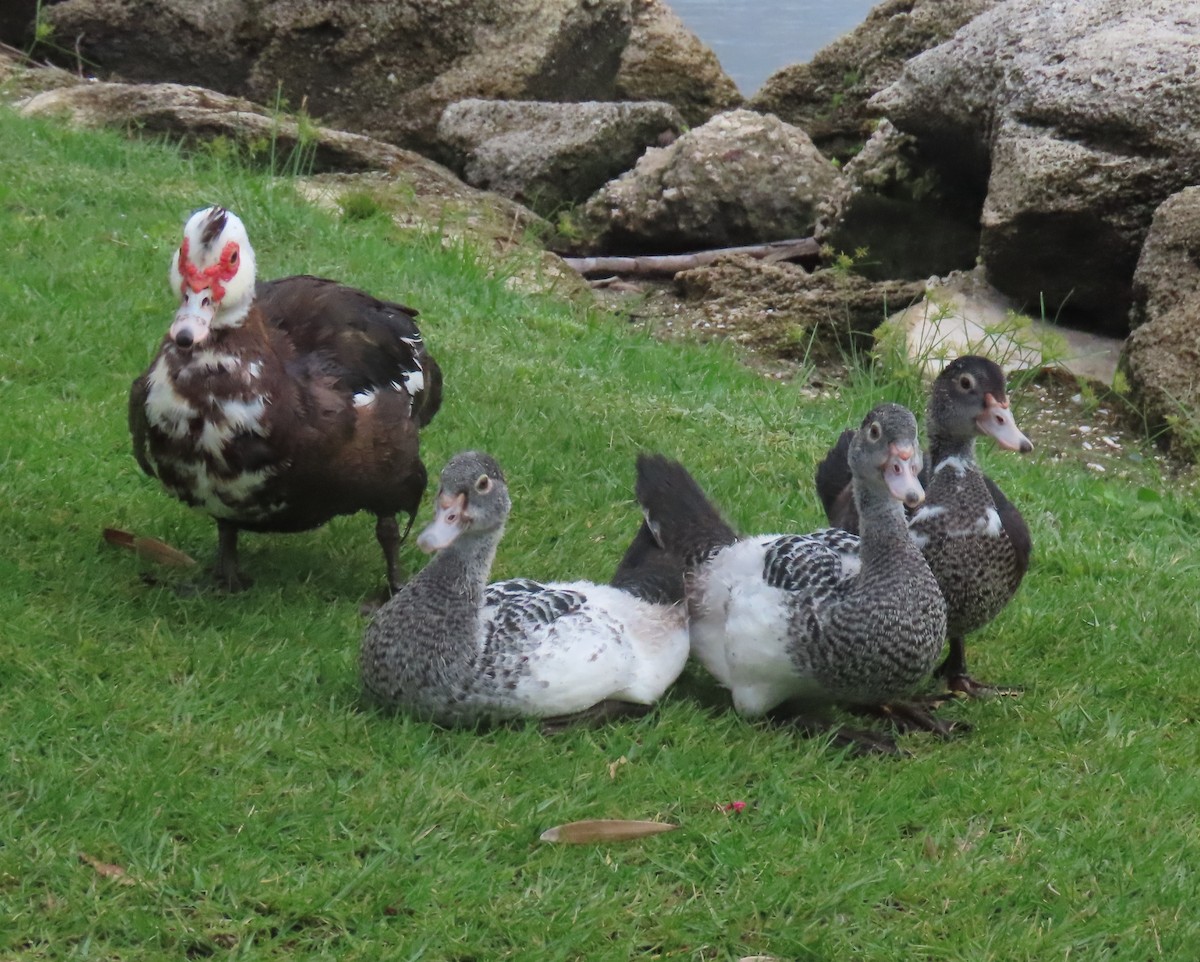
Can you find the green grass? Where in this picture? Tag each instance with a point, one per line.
(214, 748)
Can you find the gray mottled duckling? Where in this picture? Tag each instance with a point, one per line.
(818, 619)
(453, 649)
(975, 540)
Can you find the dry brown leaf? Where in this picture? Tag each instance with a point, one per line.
(107, 869)
(149, 548)
(604, 830)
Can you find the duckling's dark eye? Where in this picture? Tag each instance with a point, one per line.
(966, 382)
(874, 432)
(484, 484)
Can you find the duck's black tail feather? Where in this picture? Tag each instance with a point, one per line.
(650, 572)
(834, 485)
(678, 512)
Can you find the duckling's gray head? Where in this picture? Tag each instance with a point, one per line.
(970, 397)
(472, 496)
(885, 451)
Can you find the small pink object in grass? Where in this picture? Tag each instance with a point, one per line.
(734, 807)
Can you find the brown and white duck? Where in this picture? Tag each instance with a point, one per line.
(974, 539)
(812, 620)
(276, 406)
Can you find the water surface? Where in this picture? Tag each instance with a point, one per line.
(754, 38)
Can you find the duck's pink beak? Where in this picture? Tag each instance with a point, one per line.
(997, 420)
(449, 521)
(901, 472)
(193, 320)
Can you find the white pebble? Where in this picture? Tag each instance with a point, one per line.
(1096, 467)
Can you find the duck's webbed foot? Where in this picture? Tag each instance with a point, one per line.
(857, 741)
(967, 687)
(907, 717)
(953, 671)
(598, 714)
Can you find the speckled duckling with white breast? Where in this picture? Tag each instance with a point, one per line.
(820, 619)
(453, 649)
(975, 540)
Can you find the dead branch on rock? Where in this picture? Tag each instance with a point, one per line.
(666, 264)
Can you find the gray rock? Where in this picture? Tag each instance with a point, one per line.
(548, 155)
(386, 68)
(196, 115)
(665, 61)
(1080, 116)
(827, 97)
(741, 178)
(1160, 355)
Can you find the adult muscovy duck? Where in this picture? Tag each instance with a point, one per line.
(453, 649)
(975, 540)
(826, 618)
(276, 406)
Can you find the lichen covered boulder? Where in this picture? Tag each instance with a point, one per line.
(741, 178)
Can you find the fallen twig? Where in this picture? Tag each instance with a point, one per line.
(648, 264)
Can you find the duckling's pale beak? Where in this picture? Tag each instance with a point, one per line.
(449, 521)
(900, 471)
(996, 420)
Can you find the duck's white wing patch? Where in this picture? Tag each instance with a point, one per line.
(989, 524)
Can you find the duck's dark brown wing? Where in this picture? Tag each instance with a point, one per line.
(138, 425)
(834, 487)
(364, 343)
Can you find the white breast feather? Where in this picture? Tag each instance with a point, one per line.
(240, 417)
(740, 627)
(166, 408)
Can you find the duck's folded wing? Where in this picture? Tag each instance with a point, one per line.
(813, 564)
(520, 608)
(561, 651)
(364, 343)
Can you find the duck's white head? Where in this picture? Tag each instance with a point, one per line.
(213, 274)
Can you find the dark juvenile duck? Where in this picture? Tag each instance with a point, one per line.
(820, 619)
(278, 406)
(975, 540)
(453, 649)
